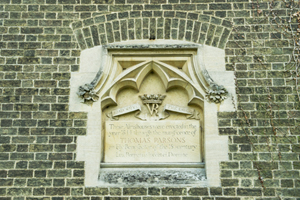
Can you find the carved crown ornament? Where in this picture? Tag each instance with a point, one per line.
(152, 101)
(128, 68)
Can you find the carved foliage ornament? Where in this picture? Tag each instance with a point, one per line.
(217, 93)
(87, 92)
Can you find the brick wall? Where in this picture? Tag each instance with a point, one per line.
(40, 46)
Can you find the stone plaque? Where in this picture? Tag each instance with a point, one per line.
(152, 141)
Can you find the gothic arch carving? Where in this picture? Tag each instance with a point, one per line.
(206, 86)
(134, 77)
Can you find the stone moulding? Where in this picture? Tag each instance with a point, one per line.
(214, 92)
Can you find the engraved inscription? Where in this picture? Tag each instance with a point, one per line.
(192, 114)
(178, 109)
(125, 110)
(167, 141)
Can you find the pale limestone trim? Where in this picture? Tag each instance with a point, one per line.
(89, 146)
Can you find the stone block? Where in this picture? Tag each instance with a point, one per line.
(96, 191)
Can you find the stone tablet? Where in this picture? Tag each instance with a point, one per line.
(152, 141)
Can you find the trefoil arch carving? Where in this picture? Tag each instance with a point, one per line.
(205, 88)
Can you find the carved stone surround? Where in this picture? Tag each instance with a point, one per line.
(119, 67)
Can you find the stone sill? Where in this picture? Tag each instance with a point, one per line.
(150, 177)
